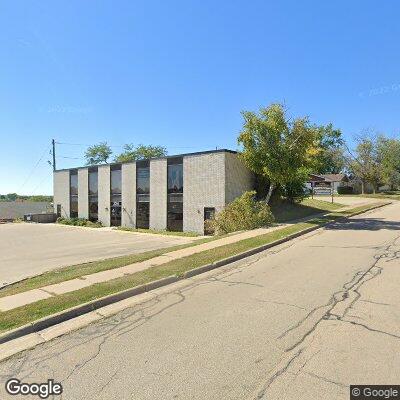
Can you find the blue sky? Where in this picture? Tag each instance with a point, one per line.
(178, 73)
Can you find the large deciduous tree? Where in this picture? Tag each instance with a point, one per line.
(330, 156)
(388, 150)
(276, 147)
(140, 152)
(98, 154)
(366, 163)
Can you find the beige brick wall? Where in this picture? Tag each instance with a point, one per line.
(203, 186)
(83, 193)
(158, 194)
(238, 178)
(104, 194)
(61, 192)
(129, 195)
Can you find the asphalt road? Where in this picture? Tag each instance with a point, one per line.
(301, 321)
(31, 249)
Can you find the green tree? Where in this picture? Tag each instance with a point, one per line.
(330, 157)
(366, 163)
(389, 156)
(140, 152)
(276, 147)
(11, 196)
(98, 154)
(244, 213)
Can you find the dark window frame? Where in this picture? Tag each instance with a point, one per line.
(93, 198)
(73, 198)
(175, 198)
(115, 210)
(143, 198)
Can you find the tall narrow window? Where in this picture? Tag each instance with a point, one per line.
(175, 194)
(73, 194)
(116, 192)
(93, 195)
(143, 194)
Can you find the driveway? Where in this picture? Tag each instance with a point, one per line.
(31, 249)
(300, 321)
(354, 201)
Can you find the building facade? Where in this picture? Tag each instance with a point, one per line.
(174, 193)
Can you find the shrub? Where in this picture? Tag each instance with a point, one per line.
(243, 213)
(79, 222)
(345, 190)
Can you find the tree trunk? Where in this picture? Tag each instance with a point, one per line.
(270, 190)
(362, 187)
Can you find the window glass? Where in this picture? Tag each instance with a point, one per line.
(116, 181)
(143, 180)
(143, 194)
(73, 183)
(93, 183)
(175, 216)
(73, 191)
(175, 178)
(74, 207)
(93, 208)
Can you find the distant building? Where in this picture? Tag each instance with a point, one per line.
(10, 210)
(176, 193)
(324, 183)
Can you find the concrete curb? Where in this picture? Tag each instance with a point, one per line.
(91, 306)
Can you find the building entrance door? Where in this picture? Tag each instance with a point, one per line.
(115, 213)
(209, 214)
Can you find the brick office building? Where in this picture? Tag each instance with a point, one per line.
(175, 192)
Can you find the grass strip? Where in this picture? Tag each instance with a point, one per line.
(31, 312)
(157, 232)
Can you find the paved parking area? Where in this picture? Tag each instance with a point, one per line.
(31, 249)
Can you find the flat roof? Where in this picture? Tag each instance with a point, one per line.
(198, 153)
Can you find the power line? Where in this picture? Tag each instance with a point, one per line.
(40, 183)
(122, 146)
(85, 144)
(33, 169)
(71, 158)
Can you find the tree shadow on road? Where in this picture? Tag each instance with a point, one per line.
(365, 224)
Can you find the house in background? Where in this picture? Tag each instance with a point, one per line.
(324, 183)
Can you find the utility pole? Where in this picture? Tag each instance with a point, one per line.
(53, 142)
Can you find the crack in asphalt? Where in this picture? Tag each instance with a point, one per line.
(327, 380)
(277, 374)
(279, 302)
(121, 323)
(369, 328)
(375, 302)
(354, 285)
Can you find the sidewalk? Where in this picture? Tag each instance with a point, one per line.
(10, 302)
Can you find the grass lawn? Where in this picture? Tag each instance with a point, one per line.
(285, 211)
(25, 314)
(158, 232)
